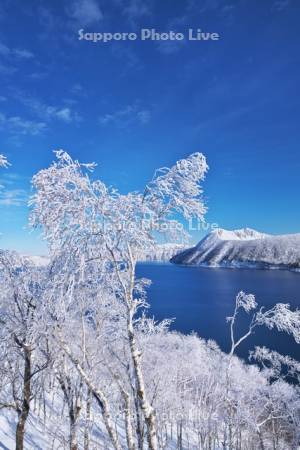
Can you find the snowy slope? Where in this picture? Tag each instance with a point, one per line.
(50, 432)
(243, 248)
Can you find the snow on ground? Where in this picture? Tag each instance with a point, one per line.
(52, 432)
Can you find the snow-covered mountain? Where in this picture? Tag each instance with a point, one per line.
(243, 248)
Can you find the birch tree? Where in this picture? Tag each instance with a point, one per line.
(21, 360)
(88, 221)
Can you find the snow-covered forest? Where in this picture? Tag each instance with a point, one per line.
(83, 365)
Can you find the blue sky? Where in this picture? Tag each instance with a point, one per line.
(133, 106)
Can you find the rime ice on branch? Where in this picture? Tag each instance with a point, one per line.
(92, 228)
(3, 161)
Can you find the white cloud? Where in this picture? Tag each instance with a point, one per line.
(38, 75)
(17, 125)
(4, 50)
(76, 88)
(48, 112)
(127, 56)
(20, 53)
(144, 116)
(64, 114)
(137, 8)
(126, 116)
(205, 5)
(170, 47)
(23, 53)
(11, 178)
(6, 69)
(85, 12)
(12, 192)
(280, 5)
(11, 57)
(24, 126)
(13, 197)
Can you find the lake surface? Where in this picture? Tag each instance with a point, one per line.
(200, 299)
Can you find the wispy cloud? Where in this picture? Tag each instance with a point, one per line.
(84, 12)
(176, 24)
(65, 114)
(38, 75)
(17, 125)
(134, 9)
(23, 53)
(222, 8)
(130, 60)
(170, 47)
(13, 197)
(280, 5)
(126, 116)
(206, 5)
(11, 57)
(7, 69)
(48, 112)
(77, 88)
(11, 178)
(12, 191)
(20, 53)
(4, 50)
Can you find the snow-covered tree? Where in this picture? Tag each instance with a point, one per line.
(21, 358)
(90, 222)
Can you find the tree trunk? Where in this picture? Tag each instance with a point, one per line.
(25, 407)
(261, 441)
(179, 436)
(86, 445)
(98, 396)
(73, 410)
(128, 424)
(139, 424)
(147, 409)
(73, 431)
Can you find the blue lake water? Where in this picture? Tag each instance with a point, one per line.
(200, 299)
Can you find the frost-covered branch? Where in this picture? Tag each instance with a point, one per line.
(280, 317)
(280, 366)
(3, 161)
